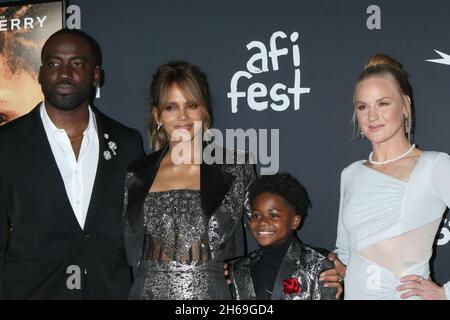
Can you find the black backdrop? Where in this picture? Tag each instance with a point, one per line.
(335, 40)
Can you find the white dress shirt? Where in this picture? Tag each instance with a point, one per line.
(78, 176)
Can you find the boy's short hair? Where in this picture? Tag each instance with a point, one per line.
(284, 185)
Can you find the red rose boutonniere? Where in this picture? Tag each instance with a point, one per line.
(291, 285)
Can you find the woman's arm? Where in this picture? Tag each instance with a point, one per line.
(416, 285)
(343, 239)
(334, 277)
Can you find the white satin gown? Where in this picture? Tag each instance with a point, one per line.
(387, 226)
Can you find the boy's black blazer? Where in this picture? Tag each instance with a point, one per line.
(300, 262)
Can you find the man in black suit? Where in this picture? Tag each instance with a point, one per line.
(62, 171)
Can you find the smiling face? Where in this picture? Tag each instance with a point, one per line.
(272, 219)
(69, 72)
(381, 108)
(179, 114)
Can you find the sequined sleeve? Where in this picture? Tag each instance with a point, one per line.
(132, 248)
(250, 176)
(125, 198)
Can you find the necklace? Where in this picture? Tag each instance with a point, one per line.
(380, 163)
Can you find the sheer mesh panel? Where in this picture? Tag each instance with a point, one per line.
(405, 250)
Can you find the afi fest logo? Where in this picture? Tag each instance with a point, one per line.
(279, 96)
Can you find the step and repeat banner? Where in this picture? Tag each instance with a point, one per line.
(284, 72)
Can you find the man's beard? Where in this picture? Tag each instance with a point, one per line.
(66, 102)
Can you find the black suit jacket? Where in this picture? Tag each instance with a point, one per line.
(300, 262)
(47, 251)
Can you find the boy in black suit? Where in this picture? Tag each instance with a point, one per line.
(283, 268)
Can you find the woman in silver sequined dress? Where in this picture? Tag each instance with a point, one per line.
(183, 217)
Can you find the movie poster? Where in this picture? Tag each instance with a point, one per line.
(24, 27)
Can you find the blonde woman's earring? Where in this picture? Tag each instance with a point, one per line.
(159, 126)
(408, 128)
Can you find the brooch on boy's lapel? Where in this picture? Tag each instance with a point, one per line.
(291, 286)
(112, 148)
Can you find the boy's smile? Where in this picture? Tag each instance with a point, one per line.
(272, 219)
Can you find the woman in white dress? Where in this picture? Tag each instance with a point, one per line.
(392, 203)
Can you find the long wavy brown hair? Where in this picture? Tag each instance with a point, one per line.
(193, 84)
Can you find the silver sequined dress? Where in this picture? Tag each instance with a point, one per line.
(177, 241)
(177, 251)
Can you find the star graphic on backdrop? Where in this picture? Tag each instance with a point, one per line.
(445, 58)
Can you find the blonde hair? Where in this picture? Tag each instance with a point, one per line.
(381, 64)
(193, 84)
(381, 58)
